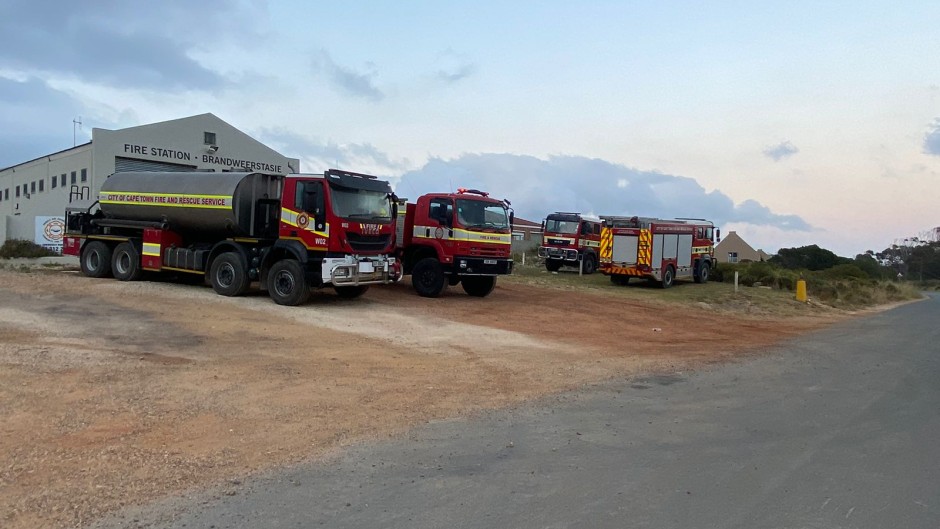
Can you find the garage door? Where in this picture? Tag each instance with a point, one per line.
(122, 165)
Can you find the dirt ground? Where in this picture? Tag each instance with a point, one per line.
(115, 394)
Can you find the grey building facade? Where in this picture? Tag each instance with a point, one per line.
(34, 194)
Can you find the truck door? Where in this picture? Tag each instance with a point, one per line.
(441, 220)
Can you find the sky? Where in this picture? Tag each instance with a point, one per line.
(791, 123)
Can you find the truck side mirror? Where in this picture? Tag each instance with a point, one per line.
(512, 218)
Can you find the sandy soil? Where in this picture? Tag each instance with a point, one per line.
(115, 394)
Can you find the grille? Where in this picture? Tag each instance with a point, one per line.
(367, 242)
(488, 252)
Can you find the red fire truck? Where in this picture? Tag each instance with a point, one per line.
(290, 234)
(449, 238)
(569, 239)
(657, 249)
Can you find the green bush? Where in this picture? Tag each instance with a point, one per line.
(23, 248)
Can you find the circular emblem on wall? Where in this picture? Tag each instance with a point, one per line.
(53, 230)
(302, 220)
(439, 233)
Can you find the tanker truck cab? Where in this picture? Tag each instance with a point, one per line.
(344, 221)
(456, 238)
(235, 229)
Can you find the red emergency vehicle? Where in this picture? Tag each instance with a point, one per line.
(570, 239)
(455, 238)
(289, 233)
(657, 249)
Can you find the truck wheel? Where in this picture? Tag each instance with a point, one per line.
(96, 259)
(428, 278)
(479, 286)
(589, 264)
(351, 292)
(287, 284)
(669, 277)
(619, 279)
(228, 275)
(125, 262)
(552, 265)
(702, 275)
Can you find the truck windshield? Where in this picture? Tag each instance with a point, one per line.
(482, 215)
(561, 226)
(361, 204)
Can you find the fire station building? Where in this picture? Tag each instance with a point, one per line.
(34, 194)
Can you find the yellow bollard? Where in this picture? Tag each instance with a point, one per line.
(801, 290)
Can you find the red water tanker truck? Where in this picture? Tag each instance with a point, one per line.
(287, 233)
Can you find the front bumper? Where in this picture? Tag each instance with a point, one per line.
(564, 254)
(481, 266)
(354, 270)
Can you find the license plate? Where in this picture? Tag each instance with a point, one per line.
(489, 261)
(366, 267)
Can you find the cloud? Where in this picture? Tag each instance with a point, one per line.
(349, 81)
(780, 151)
(358, 157)
(571, 183)
(36, 120)
(137, 45)
(932, 139)
(453, 67)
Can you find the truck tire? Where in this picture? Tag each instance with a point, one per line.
(427, 278)
(669, 277)
(589, 264)
(96, 259)
(552, 265)
(125, 262)
(479, 286)
(703, 271)
(228, 275)
(351, 292)
(287, 284)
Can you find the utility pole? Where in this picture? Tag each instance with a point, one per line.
(79, 123)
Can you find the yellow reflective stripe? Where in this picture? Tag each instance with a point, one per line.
(644, 248)
(177, 200)
(289, 217)
(478, 236)
(606, 244)
(152, 249)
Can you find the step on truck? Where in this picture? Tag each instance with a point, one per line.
(570, 239)
(289, 234)
(660, 250)
(455, 238)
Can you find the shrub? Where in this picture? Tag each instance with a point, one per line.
(23, 248)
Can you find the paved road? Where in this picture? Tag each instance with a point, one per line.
(839, 429)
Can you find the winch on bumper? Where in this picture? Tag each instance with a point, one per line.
(565, 254)
(355, 270)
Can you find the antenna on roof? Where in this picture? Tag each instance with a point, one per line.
(79, 123)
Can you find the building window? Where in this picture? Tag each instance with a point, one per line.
(84, 175)
(74, 179)
(732, 257)
(6, 194)
(42, 185)
(32, 187)
(208, 138)
(63, 180)
(54, 182)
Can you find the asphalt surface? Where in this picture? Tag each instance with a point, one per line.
(838, 429)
